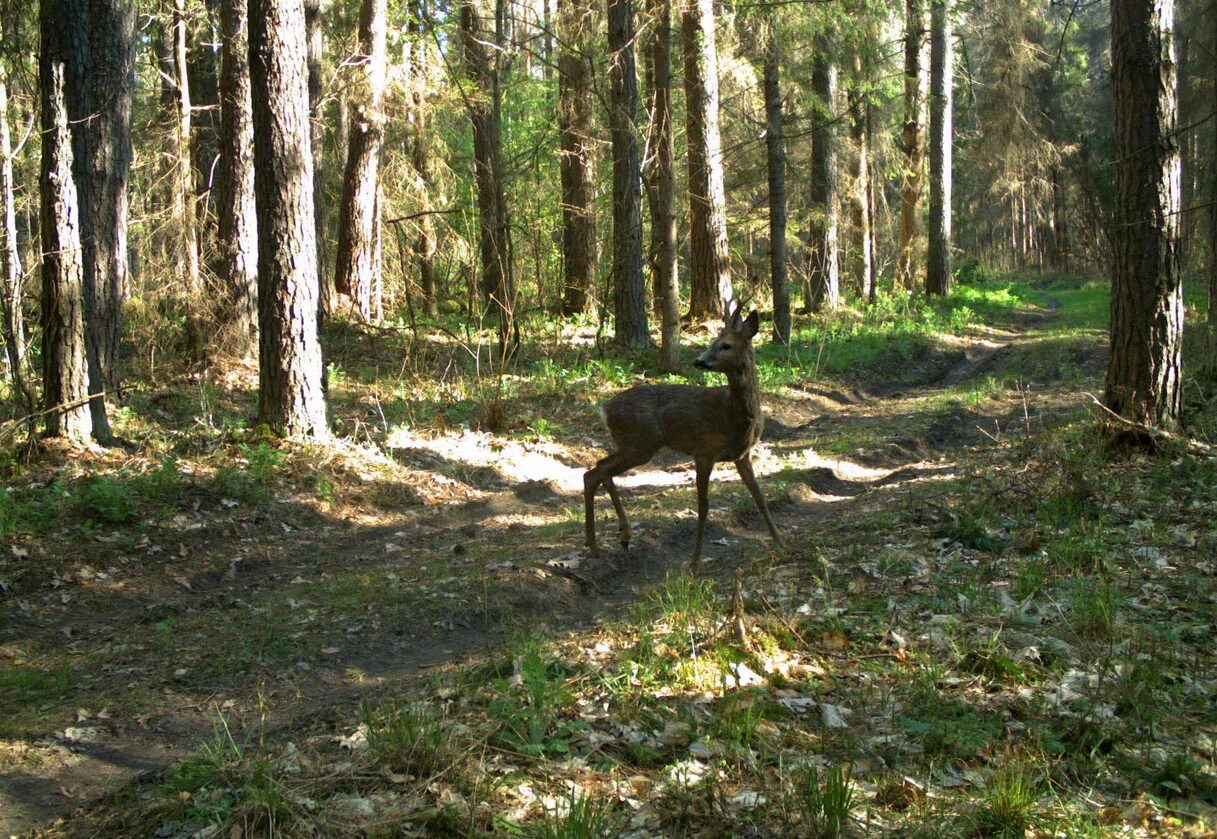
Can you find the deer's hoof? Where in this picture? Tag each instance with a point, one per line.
(625, 544)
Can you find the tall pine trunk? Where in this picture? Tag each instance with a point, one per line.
(290, 395)
(862, 260)
(65, 375)
(358, 257)
(912, 144)
(10, 263)
(709, 272)
(577, 153)
(485, 107)
(776, 156)
(942, 77)
(1144, 383)
(236, 204)
(185, 212)
(823, 256)
(630, 307)
(424, 248)
(316, 47)
(661, 185)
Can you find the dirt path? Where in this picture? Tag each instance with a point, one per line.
(359, 611)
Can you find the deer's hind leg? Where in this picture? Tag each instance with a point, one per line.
(603, 473)
(744, 465)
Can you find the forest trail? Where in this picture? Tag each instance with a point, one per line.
(319, 616)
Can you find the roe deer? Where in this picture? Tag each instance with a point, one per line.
(713, 424)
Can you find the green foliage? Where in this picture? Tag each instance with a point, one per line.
(583, 817)
(1094, 606)
(823, 807)
(527, 704)
(407, 738)
(1009, 803)
(106, 500)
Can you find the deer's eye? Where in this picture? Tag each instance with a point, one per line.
(725, 347)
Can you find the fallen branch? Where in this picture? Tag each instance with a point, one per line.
(1192, 446)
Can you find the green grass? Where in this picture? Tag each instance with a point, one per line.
(27, 692)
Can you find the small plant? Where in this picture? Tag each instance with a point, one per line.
(164, 483)
(584, 817)
(991, 659)
(1094, 607)
(1009, 803)
(686, 604)
(410, 739)
(823, 808)
(969, 527)
(104, 499)
(528, 703)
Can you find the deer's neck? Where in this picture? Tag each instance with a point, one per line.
(744, 390)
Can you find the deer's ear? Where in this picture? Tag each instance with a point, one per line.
(752, 325)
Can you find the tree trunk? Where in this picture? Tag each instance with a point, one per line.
(775, 147)
(498, 287)
(420, 153)
(290, 395)
(357, 258)
(184, 210)
(1212, 277)
(661, 185)
(65, 374)
(862, 259)
(236, 204)
(577, 153)
(316, 49)
(630, 307)
(709, 271)
(913, 144)
(942, 76)
(10, 263)
(1060, 229)
(1144, 382)
(824, 260)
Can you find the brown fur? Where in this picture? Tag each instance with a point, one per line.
(710, 424)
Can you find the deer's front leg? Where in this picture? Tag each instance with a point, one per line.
(623, 521)
(703, 508)
(744, 465)
(591, 481)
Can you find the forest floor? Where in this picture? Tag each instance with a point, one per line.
(979, 624)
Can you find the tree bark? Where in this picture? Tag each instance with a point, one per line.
(236, 205)
(420, 154)
(1144, 381)
(358, 256)
(709, 271)
(776, 156)
(64, 362)
(823, 256)
(1060, 222)
(497, 285)
(942, 77)
(912, 143)
(290, 395)
(10, 263)
(862, 259)
(184, 209)
(630, 307)
(577, 153)
(661, 185)
(316, 49)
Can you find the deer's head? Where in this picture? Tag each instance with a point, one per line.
(732, 345)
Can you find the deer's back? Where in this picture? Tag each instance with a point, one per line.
(698, 421)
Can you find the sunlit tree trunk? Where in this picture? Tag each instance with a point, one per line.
(184, 210)
(709, 275)
(824, 259)
(485, 107)
(236, 204)
(577, 152)
(629, 287)
(65, 375)
(661, 185)
(862, 262)
(1144, 381)
(776, 151)
(357, 258)
(290, 395)
(10, 263)
(420, 153)
(316, 49)
(912, 143)
(942, 77)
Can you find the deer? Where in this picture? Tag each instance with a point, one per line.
(711, 424)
